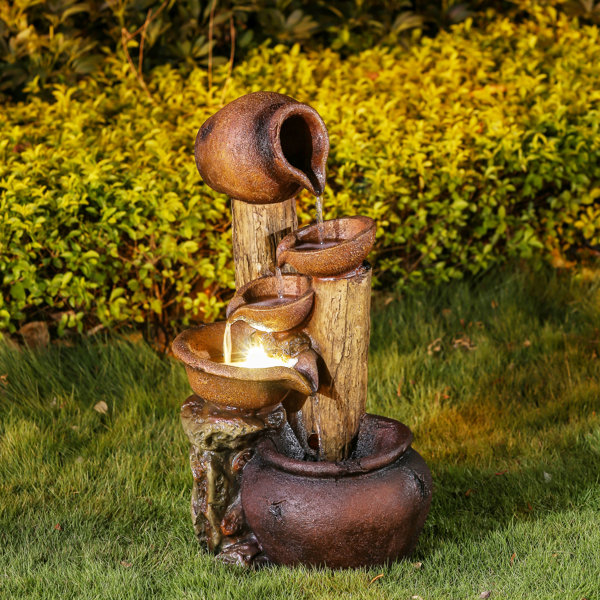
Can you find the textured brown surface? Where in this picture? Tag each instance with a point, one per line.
(263, 148)
(256, 231)
(355, 237)
(365, 511)
(201, 350)
(222, 442)
(339, 327)
(35, 335)
(282, 317)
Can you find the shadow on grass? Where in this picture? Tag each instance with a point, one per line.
(470, 502)
(499, 379)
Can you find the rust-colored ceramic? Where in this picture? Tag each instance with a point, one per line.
(230, 386)
(263, 148)
(259, 305)
(353, 236)
(365, 511)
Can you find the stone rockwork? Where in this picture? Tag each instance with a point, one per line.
(222, 442)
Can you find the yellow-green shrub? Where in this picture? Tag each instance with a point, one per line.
(472, 147)
(66, 40)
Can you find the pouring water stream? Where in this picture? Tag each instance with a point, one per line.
(320, 218)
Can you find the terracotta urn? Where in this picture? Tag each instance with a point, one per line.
(263, 148)
(367, 510)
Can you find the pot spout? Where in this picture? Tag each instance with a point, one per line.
(301, 146)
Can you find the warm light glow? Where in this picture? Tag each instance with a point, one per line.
(257, 358)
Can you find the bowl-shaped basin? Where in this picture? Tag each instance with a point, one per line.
(258, 303)
(367, 510)
(331, 249)
(234, 387)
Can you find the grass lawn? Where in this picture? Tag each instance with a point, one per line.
(498, 378)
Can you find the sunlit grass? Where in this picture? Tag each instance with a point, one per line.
(499, 380)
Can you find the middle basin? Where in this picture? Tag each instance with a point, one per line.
(259, 304)
(231, 386)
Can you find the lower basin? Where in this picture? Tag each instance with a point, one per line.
(367, 510)
(231, 386)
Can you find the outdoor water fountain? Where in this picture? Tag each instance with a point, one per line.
(288, 468)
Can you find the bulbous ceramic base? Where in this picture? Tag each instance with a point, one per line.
(367, 510)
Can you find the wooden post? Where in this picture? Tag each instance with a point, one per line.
(340, 328)
(257, 229)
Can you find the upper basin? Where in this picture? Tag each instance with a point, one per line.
(258, 303)
(334, 248)
(231, 386)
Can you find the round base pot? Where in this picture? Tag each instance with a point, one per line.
(367, 510)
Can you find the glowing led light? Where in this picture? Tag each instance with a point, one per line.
(257, 358)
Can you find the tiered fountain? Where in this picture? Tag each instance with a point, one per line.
(288, 468)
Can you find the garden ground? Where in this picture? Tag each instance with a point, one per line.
(499, 378)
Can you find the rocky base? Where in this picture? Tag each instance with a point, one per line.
(258, 497)
(222, 442)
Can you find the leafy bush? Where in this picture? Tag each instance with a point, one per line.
(64, 40)
(474, 147)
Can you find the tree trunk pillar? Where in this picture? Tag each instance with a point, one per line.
(340, 328)
(257, 229)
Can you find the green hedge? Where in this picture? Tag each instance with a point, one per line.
(64, 40)
(474, 147)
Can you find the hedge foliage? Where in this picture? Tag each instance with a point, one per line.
(65, 40)
(474, 147)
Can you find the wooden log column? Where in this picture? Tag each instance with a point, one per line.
(257, 229)
(340, 328)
